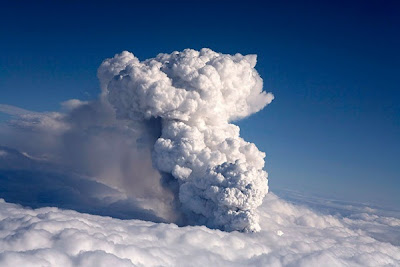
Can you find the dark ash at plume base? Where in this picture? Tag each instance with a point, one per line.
(195, 95)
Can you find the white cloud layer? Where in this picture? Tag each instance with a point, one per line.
(291, 235)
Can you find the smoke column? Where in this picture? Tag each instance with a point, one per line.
(195, 95)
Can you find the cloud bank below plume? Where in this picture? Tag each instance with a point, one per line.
(218, 177)
(291, 235)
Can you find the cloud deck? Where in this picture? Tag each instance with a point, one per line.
(291, 235)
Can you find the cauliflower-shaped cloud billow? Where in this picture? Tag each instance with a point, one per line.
(196, 95)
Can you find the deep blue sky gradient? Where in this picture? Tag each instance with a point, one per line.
(334, 67)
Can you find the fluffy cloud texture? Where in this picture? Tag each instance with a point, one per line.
(158, 149)
(291, 235)
(195, 95)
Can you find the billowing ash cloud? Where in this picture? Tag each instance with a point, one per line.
(195, 95)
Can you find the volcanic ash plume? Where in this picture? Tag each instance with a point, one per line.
(218, 176)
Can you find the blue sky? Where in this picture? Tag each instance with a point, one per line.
(334, 67)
